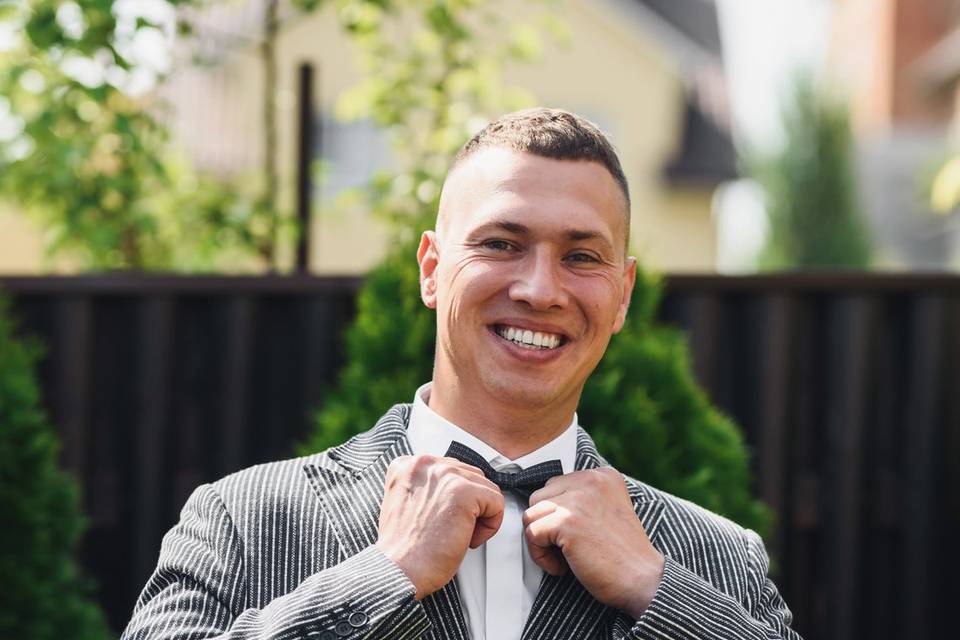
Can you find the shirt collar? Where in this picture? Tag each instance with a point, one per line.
(431, 434)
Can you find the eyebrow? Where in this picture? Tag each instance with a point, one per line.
(522, 230)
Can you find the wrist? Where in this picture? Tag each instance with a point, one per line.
(647, 583)
(398, 558)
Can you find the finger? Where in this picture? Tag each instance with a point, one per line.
(459, 464)
(554, 487)
(469, 472)
(550, 559)
(544, 531)
(490, 517)
(475, 476)
(537, 511)
(541, 536)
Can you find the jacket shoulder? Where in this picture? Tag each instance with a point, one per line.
(694, 535)
(268, 485)
(680, 510)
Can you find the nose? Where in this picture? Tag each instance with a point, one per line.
(540, 282)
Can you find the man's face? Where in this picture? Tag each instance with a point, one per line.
(526, 249)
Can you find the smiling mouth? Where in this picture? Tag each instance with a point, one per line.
(527, 339)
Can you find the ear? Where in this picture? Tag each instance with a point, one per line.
(428, 257)
(629, 278)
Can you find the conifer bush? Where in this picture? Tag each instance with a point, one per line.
(641, 405)
(43, 595)
(815, 216)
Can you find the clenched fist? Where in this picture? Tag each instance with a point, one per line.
(585, 521)
(433, 509)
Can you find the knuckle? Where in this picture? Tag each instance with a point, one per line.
(423, 466)
(593, 479)
(398, 463)
(567, 518)
(613, 475)
(397, 469)
(604, 477)
(422, 460)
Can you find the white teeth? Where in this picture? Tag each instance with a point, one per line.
(528, 338)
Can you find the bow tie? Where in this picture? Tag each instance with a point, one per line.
(522, 483)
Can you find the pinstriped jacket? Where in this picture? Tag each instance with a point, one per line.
(285, 550)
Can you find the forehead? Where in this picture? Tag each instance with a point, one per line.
(532, 190)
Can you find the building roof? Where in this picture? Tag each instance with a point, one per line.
(706, 155)
(696, 19)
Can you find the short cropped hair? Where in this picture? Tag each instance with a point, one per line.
(550, 133)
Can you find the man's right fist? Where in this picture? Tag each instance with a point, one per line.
(433, 509)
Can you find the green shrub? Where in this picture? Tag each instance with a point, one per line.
(649, 418)
(810, 188)
(642, 406)
(43, 596)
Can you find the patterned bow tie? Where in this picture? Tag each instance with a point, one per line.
(522, 483)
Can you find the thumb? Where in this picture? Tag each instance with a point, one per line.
(549, 558)
(488, 522)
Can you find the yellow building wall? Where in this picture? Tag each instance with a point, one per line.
(624, 80)
(614, 72)
(21, 244)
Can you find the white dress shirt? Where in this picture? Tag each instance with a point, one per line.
(497, 581)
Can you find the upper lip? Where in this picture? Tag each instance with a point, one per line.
(533, 325)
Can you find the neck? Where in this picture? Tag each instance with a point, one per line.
(512, 430)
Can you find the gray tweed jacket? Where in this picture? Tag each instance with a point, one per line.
(285, 550)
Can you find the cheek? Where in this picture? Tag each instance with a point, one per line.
(465, 282)
(601, 294)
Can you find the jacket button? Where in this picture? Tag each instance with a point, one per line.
(358, 618)
(343, 629)
(326, 635)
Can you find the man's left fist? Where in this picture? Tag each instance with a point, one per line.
(585, 520)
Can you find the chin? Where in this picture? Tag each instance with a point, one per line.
(523, 391)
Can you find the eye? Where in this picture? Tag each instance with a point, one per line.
(582, 257)
(498, 245)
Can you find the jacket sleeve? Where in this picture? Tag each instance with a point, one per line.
(687, 607)
(198, 591)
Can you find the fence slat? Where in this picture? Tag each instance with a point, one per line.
(155, 342)
(774, 377)
(238, 312)
(845, 376)
(70, 393)
(921, 417)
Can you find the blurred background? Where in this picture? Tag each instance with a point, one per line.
(197, 197)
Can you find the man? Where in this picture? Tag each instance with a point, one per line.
(434, 523)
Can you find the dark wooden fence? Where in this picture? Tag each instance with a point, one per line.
(847, 388)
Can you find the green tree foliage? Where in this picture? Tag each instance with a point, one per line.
(810, 189)
(43, 596)
(389, 351)
(650, 419)
(91, 160)
(88, 157)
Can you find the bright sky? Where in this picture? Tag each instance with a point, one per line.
(764, 42)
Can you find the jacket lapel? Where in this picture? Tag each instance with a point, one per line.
(563, 608)
(351, 492)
